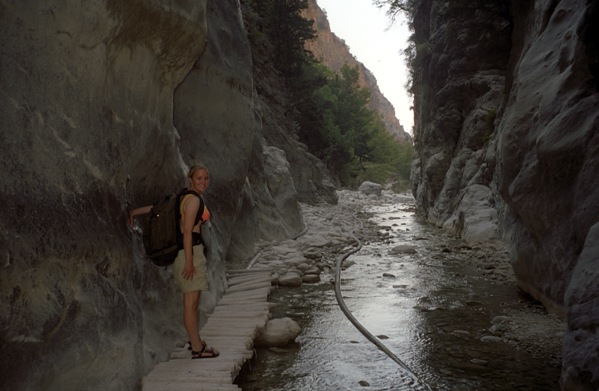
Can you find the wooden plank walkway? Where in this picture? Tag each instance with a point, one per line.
(231, 329)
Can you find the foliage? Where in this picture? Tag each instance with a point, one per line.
(397, 6)
(391, 161)
(349, 137)
(331, 109)
(287, 30)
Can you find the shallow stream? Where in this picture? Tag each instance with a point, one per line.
(440, 306)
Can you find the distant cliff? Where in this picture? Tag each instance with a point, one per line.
(334, 53)
(507, 135)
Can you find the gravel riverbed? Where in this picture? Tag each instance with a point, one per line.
(451, 311)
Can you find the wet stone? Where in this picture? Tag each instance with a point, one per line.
(290, 280)
(491, 338)
(403, 249)
(311, 278)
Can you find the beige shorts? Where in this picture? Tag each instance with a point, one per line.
(200, 278)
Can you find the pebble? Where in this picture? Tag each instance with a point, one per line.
(463, 333)
(403, 249)
(490, 338)
(500, 319)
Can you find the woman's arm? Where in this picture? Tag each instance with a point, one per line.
(191, 206)
(138, 211)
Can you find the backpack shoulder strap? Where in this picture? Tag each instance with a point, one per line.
(202, 205)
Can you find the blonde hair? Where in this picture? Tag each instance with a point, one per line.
(197, 167)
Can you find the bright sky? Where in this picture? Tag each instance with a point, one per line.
(378, 45)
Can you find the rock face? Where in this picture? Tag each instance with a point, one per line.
(506, 132)
(104, 106)
(334, 53)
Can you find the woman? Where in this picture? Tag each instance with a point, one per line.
(189, 268)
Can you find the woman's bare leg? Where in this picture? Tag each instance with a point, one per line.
(191, 303)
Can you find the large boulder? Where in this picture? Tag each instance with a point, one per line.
(278, 332)
(370, 188)
(476, 216)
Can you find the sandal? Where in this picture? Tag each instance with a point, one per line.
(206, 352)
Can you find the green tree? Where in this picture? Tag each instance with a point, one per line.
(331, 109)
(289, 31)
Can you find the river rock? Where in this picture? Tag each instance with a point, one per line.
(278, 333)
(311, 278)
(313, 253)
(491, 338)
(312, 270)
(500, 319)
(347, 264)
(403, 249)
(290, 280)
(304, 266)
(370, 188)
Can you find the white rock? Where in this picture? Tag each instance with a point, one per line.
(370, 188)
(278, 333)
(290, 280)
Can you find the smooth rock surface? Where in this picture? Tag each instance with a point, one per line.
(506, 135)
(104, 106)
(278, 333)
(370, 188)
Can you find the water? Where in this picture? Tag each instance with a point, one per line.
(430, 308)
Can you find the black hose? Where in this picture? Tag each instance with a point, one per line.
(359, 326)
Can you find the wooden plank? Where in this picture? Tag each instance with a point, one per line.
(249, 271)
(242, 278)
(231, 329)
(254, 279)
(249, 294)
(190, 387)
(242, 307)
(239, 298)
(249, 280)
(247, 286)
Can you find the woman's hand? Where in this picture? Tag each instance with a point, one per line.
(136, 212)
(188, 271)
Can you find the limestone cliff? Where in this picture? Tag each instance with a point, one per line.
(103, 106)
(506, 97)
(334, 53)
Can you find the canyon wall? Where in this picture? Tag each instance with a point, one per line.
(104, 106)
(507, 138)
